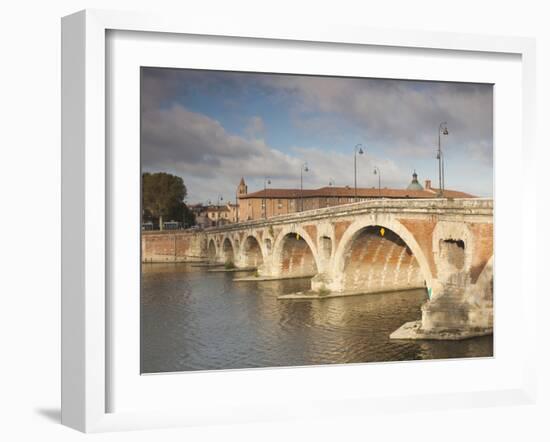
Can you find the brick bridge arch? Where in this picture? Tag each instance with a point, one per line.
(252, 252)
(212, 250)
(397, 251)
(228, 250)
(294, 253)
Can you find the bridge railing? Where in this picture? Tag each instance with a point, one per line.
(462, 206)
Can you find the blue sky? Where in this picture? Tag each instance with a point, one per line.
(212, 127)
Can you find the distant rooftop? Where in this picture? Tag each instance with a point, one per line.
(337, 192)
(413, 190)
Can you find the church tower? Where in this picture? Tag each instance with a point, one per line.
(242, 189)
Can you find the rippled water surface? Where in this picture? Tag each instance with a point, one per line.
(192, 319)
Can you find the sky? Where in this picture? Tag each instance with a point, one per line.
(212, 127)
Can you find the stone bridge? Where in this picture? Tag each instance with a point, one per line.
(442, 245)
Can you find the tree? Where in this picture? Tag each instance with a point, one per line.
(162, 194)
(183, 214)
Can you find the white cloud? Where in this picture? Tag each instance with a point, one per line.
(404, 114)
(255, 127)
(211, 160)
(399, 119)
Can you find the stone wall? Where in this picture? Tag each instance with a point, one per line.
(173, 247)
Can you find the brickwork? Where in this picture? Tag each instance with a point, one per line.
(423, 233)
(483, 234)
(170, 247)
(312, 232)
(297, 257)
(377, 263)
(339, 229)
(252, 253)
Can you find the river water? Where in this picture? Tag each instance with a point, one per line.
(192, 319)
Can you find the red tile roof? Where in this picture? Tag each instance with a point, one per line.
(331, 191)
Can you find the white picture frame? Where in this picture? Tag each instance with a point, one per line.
(86, 205)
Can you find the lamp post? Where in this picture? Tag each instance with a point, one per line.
(442, 173)
(266, 182)
(303, 169)
(358, 150)
(442, 130)
(377, 172)
(331, 182)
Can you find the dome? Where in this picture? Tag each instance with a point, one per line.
(415, 185)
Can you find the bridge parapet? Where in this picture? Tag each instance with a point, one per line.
(435, 206)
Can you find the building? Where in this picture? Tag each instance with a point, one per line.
(415, 185)
(273, 202)
(213, 215)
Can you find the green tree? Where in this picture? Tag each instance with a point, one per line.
(162, 194)
(183, 214)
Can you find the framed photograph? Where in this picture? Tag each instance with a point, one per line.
(266, 223)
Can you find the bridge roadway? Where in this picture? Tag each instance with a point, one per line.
(444, 245)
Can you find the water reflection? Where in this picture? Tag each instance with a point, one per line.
(192, 319)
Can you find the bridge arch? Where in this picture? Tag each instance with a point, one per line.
(212, 250)
(252, 252)
(295, 253)
(386, 256)
(228, 251)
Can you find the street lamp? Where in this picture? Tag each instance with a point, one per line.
(442, 130)
(303, 169)
(266, 182)
(377, 172)
(358, 150)
(442, 172)
(331, 182)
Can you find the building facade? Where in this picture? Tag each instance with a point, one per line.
(214, 215)
(273, 202)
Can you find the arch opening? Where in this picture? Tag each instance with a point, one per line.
(296, 257)
(228, 253)
(252, 252)
(452, 251)
(377, 259)
(211, 253)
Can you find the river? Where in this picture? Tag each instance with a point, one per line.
(192, 319)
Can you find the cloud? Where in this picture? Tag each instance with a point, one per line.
(396, 120)
(195, 146)
(212, 160)
(339, 167)
(402, 114)
(255, 127)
